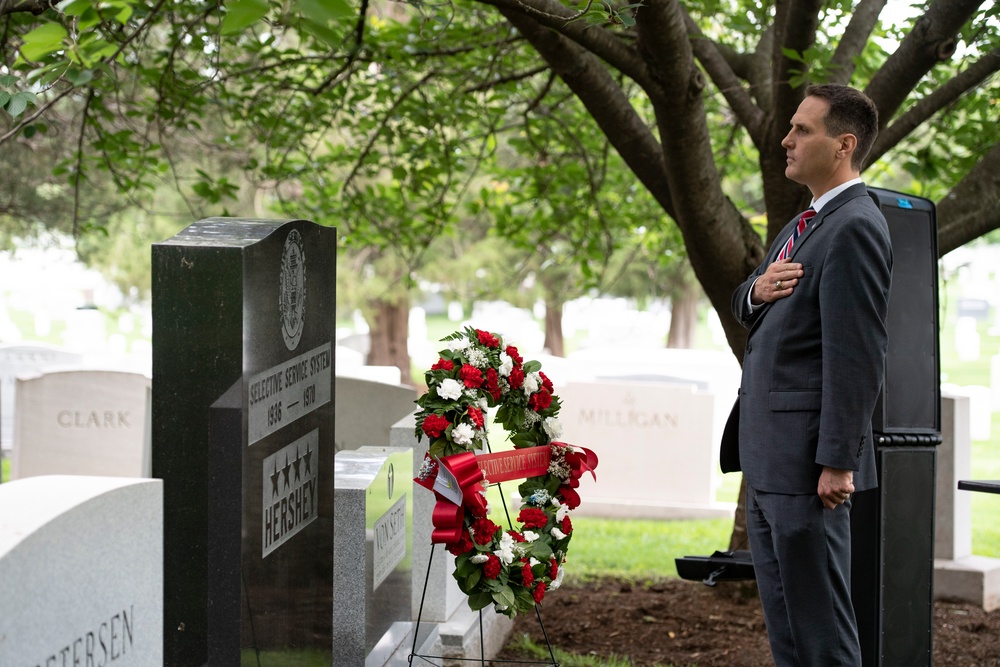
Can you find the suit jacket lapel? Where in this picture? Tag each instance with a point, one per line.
(847, 195)
(838, 201)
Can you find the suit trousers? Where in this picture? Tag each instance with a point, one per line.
(802, 561)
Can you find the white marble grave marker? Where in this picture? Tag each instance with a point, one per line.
(81, 422)
(81, 560)
(657, 445)
(24, 360)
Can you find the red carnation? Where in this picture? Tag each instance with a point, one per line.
(540, 400)
(539, 592)
(434, 425)
(546, 382)
(569, 496)
(483, 530)
(476, 415)
(491, 568)
(471, 376)
(566, 526)
(463, 545)
(527, 576)
(532, 517)
(512, 353)
(516, 536)
(487, 339)
(553, 569)
(493, 384)
(516, 378)
(443, 365)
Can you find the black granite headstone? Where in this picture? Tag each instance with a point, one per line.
(243, 437)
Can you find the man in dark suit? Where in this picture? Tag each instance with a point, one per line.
(812, 371)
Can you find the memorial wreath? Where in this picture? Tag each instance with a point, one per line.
(510, 569)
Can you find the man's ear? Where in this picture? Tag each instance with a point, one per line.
(848, 142)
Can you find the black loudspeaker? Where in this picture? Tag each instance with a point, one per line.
(892, 526)
(910, 402)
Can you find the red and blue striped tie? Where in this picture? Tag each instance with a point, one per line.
(799, 228)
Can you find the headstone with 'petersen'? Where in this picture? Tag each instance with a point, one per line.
(80, 561)
(81, 422)
(242, 432)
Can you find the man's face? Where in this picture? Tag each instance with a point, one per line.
(811, 155)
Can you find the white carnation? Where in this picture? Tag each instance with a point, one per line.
(458, 344)
(530, 536)
(450, 389)
(506, 364)
(506, 551)
(557, 582)
(532, 381)
(553, 427)
(479, 558)
(556, 533)
(561, 511)
(463, 433)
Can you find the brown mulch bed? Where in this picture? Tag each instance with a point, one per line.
(686, 623)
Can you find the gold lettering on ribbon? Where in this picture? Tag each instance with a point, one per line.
(505, 466)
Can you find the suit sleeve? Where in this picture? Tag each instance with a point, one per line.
(740, 301)
(854, 297)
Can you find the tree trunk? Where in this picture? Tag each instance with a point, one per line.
(684, 315)
(389, 330)
(554, 343)
(739, 539)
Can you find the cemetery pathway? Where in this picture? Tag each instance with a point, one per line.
(686, 624)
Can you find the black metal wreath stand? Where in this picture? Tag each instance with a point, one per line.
(481, 660)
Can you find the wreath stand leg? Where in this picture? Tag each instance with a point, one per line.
(426, 659)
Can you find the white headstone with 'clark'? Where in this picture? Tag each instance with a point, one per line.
(81, 422)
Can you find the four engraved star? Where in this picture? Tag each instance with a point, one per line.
(287, 469)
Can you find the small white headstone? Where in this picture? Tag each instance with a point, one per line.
(967, 342)
(657, 445)
(81, 423)
(18, 360)
(81, 560)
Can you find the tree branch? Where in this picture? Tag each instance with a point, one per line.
(859, 30)
(412, 88)
(972, 208)
(724, 77)
(110, 59)
(600, 41)
(604, 99)
(510, 78)
(795, 32)
(925, 108)
(359, 40)
(932, 40)
(35, 7)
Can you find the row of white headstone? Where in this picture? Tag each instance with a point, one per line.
(99, 540)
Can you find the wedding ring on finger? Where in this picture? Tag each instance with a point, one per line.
(777, 284)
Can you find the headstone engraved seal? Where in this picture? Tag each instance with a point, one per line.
(292, 295)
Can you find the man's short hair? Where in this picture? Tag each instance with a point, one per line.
(850, 112)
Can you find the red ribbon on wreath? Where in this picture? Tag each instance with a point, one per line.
(580, 460)
(457, 482)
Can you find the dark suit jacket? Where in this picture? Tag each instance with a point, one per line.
(814, 361)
